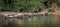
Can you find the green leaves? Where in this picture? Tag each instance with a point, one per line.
(58, 2)
(50, 9)
(26, 5)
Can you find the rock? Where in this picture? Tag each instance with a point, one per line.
(46, 14)
(19, 17)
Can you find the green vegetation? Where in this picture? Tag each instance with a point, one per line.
(50, 9)
(25, 5)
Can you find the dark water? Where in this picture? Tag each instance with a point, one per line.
(31, 21)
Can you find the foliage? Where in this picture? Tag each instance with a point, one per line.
(50, 9)
(26, 5)
(58, 2)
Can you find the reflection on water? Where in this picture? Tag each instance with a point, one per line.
(31, 21)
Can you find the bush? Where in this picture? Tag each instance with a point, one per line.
(27, 6)
(58, 2)
(50, 9)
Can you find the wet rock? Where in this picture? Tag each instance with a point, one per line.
(19, 17)
(41, 14)
(35, 15)
(30, 16)
(46, 14)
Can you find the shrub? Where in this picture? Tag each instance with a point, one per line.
(58, 2)
(50, 9)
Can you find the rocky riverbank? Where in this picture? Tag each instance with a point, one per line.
(15, 14)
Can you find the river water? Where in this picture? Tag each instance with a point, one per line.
(31, 21)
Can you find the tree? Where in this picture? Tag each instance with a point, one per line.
(24, 5)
